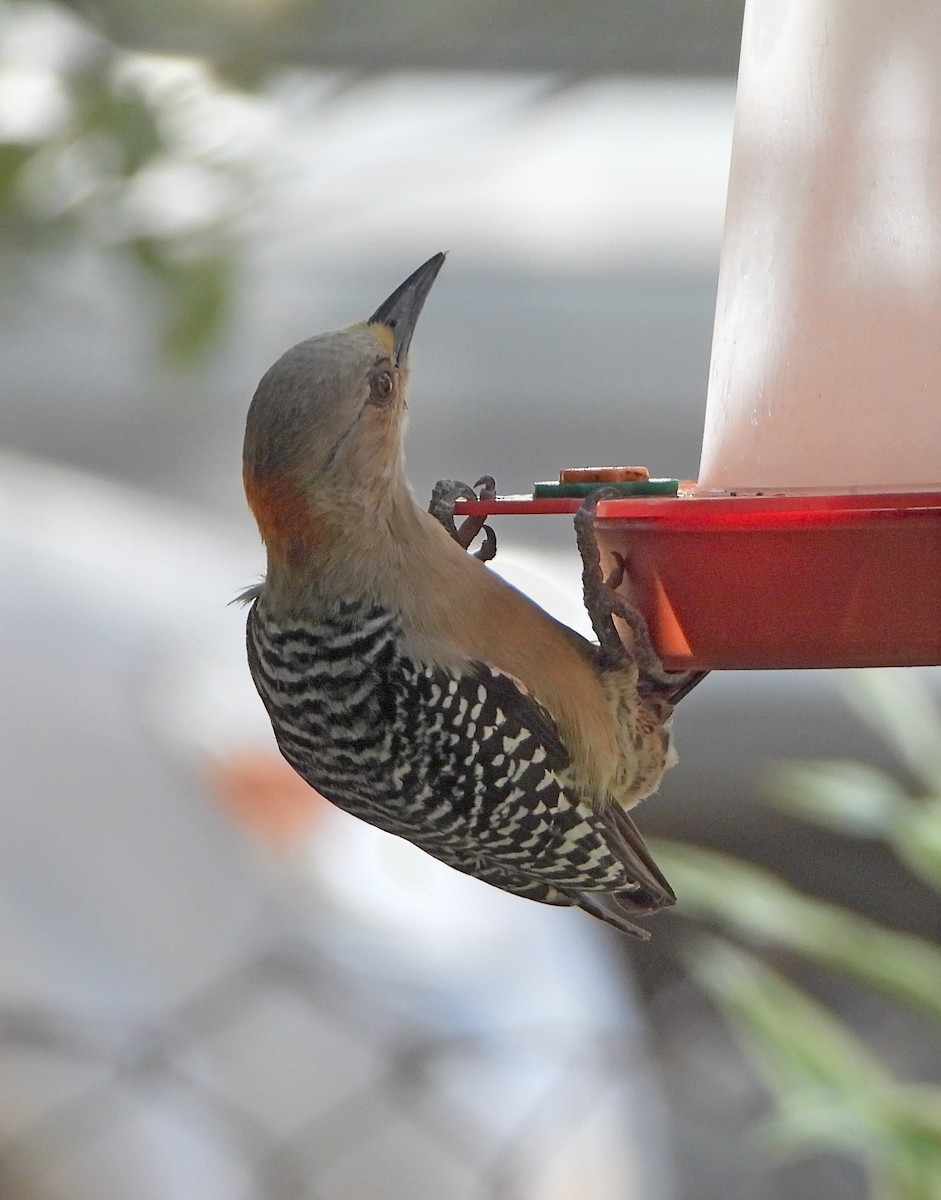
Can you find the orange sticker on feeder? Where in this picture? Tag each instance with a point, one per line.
(603, 474)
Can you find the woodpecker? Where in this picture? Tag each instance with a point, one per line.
(413, 687)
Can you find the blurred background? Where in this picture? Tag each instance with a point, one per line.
(210, 984)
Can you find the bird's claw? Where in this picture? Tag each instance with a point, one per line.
(445, 495)
(604, 601)
(597, 593)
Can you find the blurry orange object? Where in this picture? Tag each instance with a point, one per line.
(266, 796)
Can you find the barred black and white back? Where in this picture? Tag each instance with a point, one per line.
(468, 766)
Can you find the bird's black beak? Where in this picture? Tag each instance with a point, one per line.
(401, 311)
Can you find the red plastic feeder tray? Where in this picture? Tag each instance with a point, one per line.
(748, 582)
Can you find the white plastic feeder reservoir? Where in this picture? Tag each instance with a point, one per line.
(813, 536)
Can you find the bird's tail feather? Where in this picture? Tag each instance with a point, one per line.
(652, 892)
(625, 840)
(606, 907)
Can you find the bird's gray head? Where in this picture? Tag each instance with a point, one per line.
(328, 416)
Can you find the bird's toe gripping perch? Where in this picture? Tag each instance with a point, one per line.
(445, 495)
(604, 601)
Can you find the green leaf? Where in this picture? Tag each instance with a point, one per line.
(196, 294)
(13, 158)
(913, 1170)
(847, 797)
(196, 306)
(765, 910)
(829, 1092)
(797, 1044)
(916, 839)
(124, 118)
(899, 707)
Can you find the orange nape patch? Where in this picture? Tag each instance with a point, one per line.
(286, 520)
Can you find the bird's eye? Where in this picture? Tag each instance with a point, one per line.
(381, 387)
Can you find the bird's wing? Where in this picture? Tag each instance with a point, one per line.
(463, 763)
(504, 812)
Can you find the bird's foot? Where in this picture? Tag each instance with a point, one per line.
(599, 593)
(604, 602)
(446, 494)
